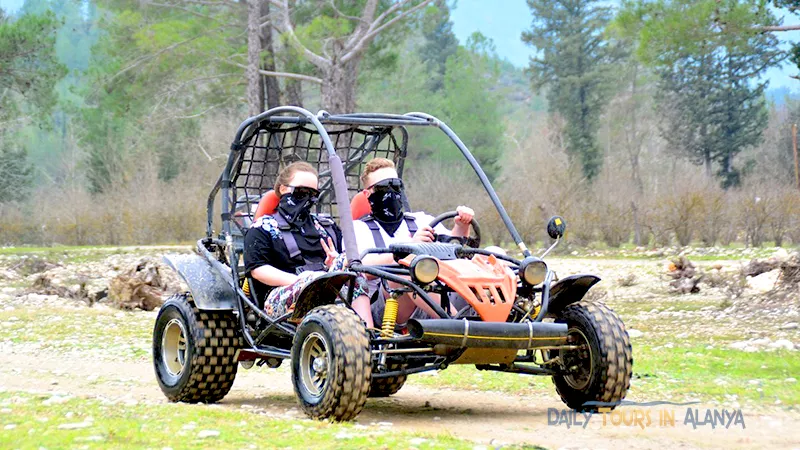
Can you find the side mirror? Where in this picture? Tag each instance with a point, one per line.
(556, 227)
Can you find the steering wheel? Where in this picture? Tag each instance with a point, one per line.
(474, 242)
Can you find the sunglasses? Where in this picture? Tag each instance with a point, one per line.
(301, 193)
(389, 184)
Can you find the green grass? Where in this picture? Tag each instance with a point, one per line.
(674, 374)
(28, 421)
(718, 374)
(124, 334)
(77, 254)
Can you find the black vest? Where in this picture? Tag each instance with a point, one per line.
(287, 232)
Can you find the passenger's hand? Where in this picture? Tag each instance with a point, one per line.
(465, 215)
(424, 234)
(330, 251)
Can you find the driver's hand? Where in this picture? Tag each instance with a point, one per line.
(424, 234)
(465, 215)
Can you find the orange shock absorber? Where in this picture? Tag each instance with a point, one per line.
(246, 287)
(389, 317)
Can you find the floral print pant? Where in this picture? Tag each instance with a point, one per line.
(281, 299)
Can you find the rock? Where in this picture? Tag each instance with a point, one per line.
(207, 434)
(790, 380)
(139, 287)
(789, 326)
(764, 282)
(634, 333)
(74, 426)
(784, 344)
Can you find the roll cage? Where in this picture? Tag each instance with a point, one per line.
(338, 146)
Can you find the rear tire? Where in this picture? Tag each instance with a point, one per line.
(331, 363)
(384, 387)
(194, 352)
(604, 367)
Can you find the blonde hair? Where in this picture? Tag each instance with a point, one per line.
(286, 175)
(374, 165)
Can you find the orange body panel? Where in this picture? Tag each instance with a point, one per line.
(485, 283)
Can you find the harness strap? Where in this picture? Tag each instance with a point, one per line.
(375, 228)
(291, 242)
(288, 235)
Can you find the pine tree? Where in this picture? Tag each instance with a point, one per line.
(440, 42)
(710, 55)
(574, 62)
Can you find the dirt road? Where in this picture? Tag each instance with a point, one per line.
(485, 417)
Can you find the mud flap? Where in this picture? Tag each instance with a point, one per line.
(322, 291)
(569, 290)
(210, 289)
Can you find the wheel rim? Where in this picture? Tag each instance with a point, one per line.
(173, 347)
(578, 362)
(314, 364)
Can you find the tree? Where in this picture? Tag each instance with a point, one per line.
(574, 63)
(29, 68)
(709, 56)
(440, 42)
(336, 41)
(15, 173)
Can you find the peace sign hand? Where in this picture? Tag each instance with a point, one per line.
(330, 251)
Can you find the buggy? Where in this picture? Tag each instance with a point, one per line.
(516, 316)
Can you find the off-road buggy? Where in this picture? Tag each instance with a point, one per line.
(516, 318)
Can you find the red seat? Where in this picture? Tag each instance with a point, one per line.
(267, 205)
(359, 206)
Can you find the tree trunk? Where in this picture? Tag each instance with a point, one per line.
(255, 94)
(294, 93)
(269, 84)
(339, 87)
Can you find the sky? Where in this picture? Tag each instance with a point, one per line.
(504, 21)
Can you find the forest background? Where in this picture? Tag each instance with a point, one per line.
(643, 123)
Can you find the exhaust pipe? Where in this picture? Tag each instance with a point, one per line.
(470, 333)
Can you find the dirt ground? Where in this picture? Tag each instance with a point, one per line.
(487, 417)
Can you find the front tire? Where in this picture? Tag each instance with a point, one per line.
(331, 364)
(194, 352)
(600, 371)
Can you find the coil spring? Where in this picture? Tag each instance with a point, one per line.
(389, 317)
(246, 287)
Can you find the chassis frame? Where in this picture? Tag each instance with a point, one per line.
(215, 279)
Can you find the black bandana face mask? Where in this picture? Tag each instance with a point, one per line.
(387, 206)
(296, 206)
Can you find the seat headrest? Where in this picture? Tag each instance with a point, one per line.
(267, 205)
(359, 206)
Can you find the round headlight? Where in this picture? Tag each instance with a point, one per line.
(533, 271)
(424, 269)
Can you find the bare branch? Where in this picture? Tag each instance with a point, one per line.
(296, 76)
(780, 28)
(359, 47)
(341, 14)
(365, 26)
(194, 13)
(312, 57)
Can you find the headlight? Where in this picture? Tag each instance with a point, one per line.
(424, 269)
(533, 271)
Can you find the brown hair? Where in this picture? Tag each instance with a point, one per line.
(373, 165)
(285, 177)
